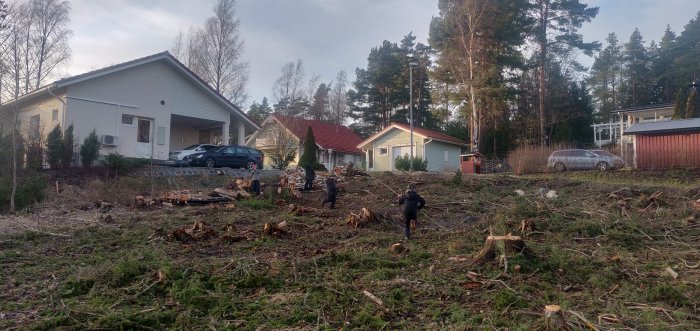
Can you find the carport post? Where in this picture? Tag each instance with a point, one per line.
(241, 133)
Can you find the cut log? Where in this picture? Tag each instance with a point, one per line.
(554, 318)
(299, 210)
(364, 217)
(278, 229)
(233, 194)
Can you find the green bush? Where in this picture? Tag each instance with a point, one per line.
(67, 149)
(404, 163)
(35, 154)
(54, 146)
(118, 164)
(30, 189)
(90, 149)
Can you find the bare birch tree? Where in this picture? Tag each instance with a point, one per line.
(288, 85)
(215, 52)
(50, 37)
(338, 98)
(280, 145)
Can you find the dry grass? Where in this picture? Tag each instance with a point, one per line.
(531, 159)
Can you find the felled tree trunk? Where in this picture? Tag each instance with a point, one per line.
(357, 220)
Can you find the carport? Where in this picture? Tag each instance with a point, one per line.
(186, 131)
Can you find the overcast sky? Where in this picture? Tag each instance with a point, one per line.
(328, 35)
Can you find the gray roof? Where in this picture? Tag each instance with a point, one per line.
(664, 127)
(643, 108)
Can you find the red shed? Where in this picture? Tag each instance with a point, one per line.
(666, 144)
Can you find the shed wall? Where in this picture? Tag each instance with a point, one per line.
(668, 151)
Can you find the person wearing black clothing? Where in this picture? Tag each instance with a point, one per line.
(332, 190)
(412, 202)
(310, 176)
(255, 176)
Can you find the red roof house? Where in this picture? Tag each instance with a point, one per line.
(337, 144)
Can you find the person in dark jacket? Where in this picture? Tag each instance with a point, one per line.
(310, 176)
(255, 176)
(331, 192)
(412, 202)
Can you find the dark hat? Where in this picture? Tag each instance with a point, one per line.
(411, 187)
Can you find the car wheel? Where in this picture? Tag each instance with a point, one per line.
(603, 166)
(559, 167)
(249, 165)
(210, 163)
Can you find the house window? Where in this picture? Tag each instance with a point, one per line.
(447, 156)
(54, 115)
(144, 131)
(127, 119)
(34, 125)
(383, 150)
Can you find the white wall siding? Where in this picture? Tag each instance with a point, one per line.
(151, 91)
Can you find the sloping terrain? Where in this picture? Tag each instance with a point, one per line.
(613, 256)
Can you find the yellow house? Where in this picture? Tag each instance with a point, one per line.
(440, 150)
(336, 144)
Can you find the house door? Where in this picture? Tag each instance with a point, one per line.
(144, 138)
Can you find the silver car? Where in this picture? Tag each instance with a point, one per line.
(580, 159)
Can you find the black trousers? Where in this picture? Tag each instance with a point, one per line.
(407, 217)
(309, 184)
(331, 199)
(256, 186)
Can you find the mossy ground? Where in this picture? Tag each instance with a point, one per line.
(592, 258)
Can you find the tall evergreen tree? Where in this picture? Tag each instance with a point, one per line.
(637, 74)
(319, 109)
(309, 154)
(662, 66)
(68, 147)
(54, 146)
(686, 50)
(556, 24)
(258, 112)
(691, 110)
(477, 41)
(679, 104)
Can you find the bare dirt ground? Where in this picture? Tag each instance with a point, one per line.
(617, 250)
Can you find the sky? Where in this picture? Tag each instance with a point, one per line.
(327, 35)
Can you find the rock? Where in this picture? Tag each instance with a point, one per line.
(552, 194)
(520, 192)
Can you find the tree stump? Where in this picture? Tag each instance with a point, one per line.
(554, 318)
(275, 229)
(358, 220)
(511, 244)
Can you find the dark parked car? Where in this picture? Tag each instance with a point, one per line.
(228, 156)
(177, 158)
(579, 159)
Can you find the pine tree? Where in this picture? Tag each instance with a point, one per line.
(637, 75)
(556, 24)
(679, 105)
(68, 148)
(690, 107)
(309, 155)
(54, 146)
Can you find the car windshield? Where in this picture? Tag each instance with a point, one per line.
(189, 148)
(602, 153)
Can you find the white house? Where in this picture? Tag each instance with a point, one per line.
(621, 119)
(143, 108)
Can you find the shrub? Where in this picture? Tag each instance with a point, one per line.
(30, 189)
(90, 149)
(282, 161)
(35, 153)
(404, 163)
(67, 149)
(531, 159)
(54, 146)
(118, 164)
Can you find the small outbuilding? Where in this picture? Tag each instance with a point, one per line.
(667, 144)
